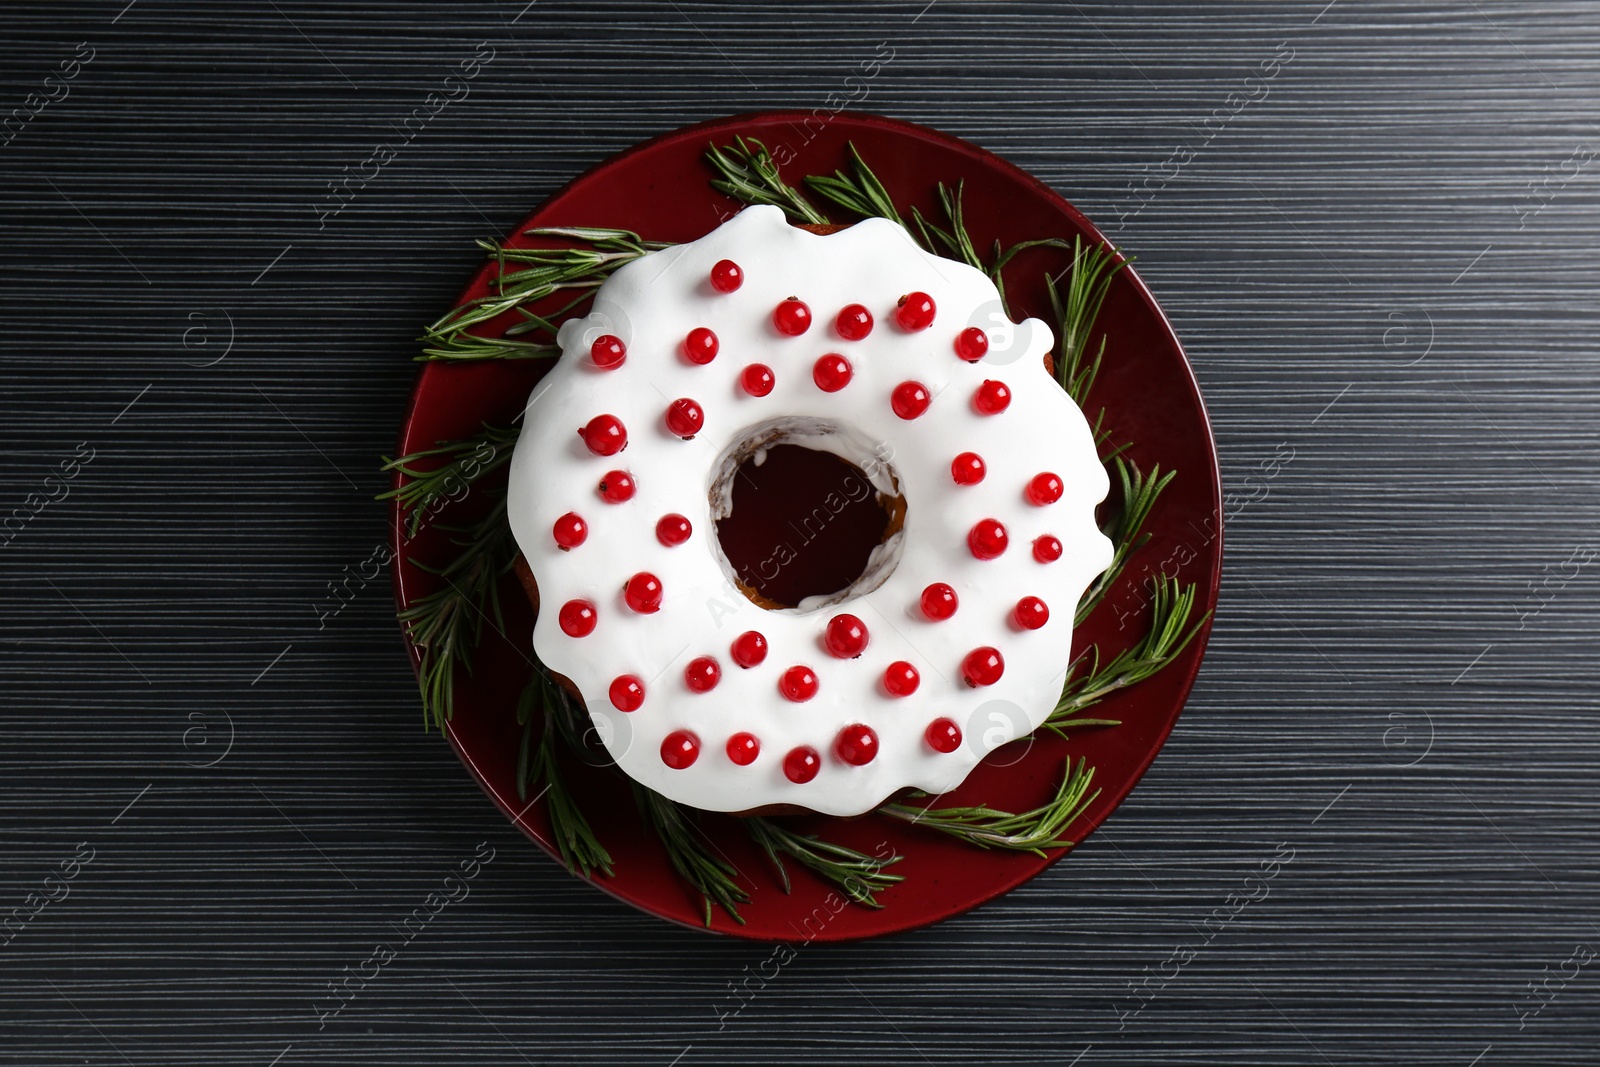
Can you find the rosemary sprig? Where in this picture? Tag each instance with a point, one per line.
(1169, 634)
(447, 624)
(955, 242)
(545, 272)
(468, 460)
(859, 191)
(1124, 528)
(580, 849)
(748, 173)
(712, 875)
(859, 875)
(1027, 831)
(1089, 279)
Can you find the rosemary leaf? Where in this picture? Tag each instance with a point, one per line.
(1027, 831)
(859, 875)
(1088, 281)
(711, 875)
(1124, 528)
(747, 173)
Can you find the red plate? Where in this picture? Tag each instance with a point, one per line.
(659, 189)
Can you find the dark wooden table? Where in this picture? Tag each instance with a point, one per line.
(1373, 225)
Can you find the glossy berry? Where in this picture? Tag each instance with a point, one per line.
(914, 312)
(972, 344)
(853, 323)
(627, 692)
(570, 530)
(939, 601)
(901, 679)
(685, 418)
(605, 435)
(983, 666)
(680, 749)
(743, 748)
(726, 276)
(792, 317)
(673, 530)
(616, 487)
(1031, 613)
(798, 684)
(831, 373)
(910, 399)
(991, 398)
(988, 538)
(577, 618)
(702, 674)
(749, 649)
(1044, 489)
(801, 764)
(756, 379)
(846, 636)
(700, 346)
(857, 745)
(943, 735)
(643, 593)
(968, 468)
(1047, 549)
(608, 352)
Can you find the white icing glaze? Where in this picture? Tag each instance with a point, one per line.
(652, 304)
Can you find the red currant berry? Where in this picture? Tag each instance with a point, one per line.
(831, 373)
(939, 601)
(570, 530)
(605, 435)
(577, 618)
(857, 745)
(968, 468)
(988, 538)
(853, 323)
(616, 487)
(1031, 613)
(1047, 549)
(680, 749)
(910, 399)
(846, 636)
(798, 684)
(972, 344)
(673, 530)
(756, 379)
(943, 735)
(643, 593)
(627, 692)
(792, 317)
(991, 398)
(743, 748)
(914, 312)
(983, 666)
(801, 764)
(702, 674)
(726, 276)
(901, 679)
(685, 418)
(749, 649)
(608, 352)
(700, 346)
(1044, 489)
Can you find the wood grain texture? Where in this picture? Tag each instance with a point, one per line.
(1382, 263)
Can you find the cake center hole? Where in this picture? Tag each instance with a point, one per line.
(804, 523)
